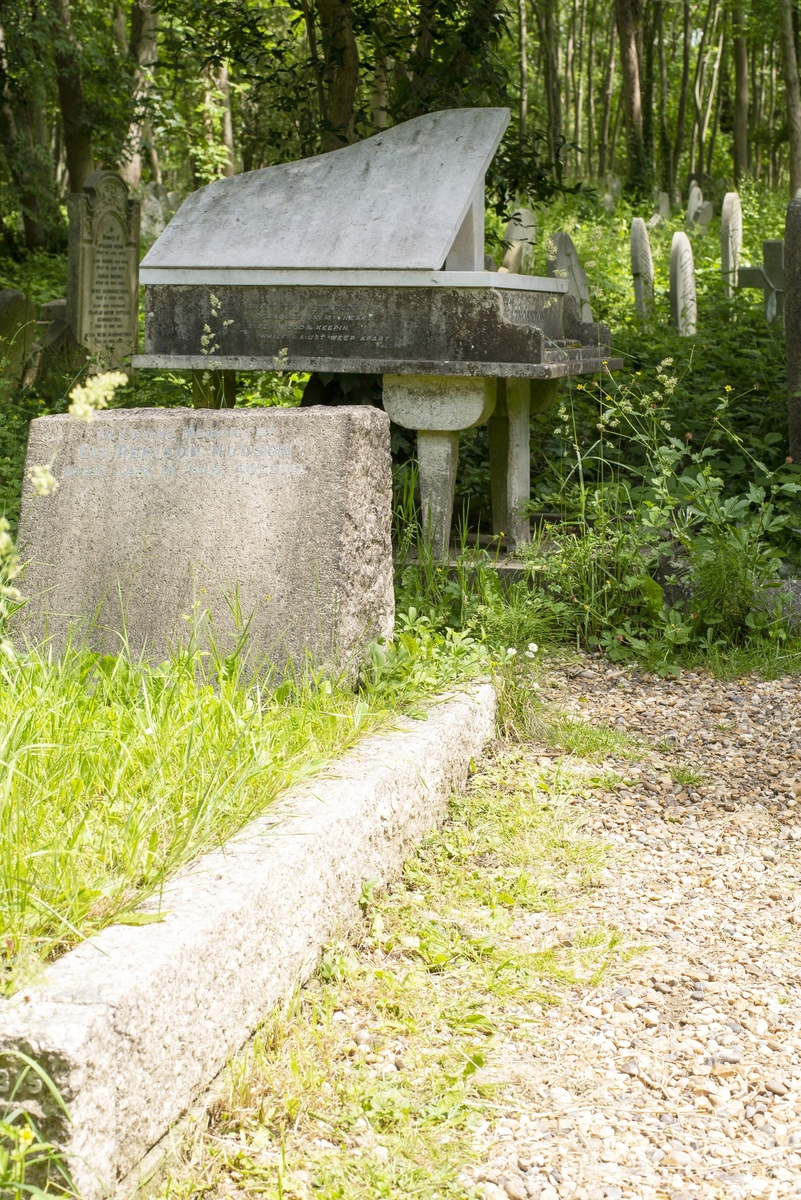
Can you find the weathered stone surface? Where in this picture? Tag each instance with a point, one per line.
(792, 322)
(398, 199)
(564, 263)
(694, 203)
(17, 333)
(768, 277)
(137, 1021)
(731, 240)
(419, 330)
(103, 279)
(160, 509)
(642, 265)
(683, 308)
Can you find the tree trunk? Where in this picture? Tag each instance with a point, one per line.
(648, 94)
(143, 49)
(523, 33)
(547, 19)
(24, 138)
(681, 120)
(629, 23)
(590, 159)
(228, 123)
(609, 91)
(740, 114)
(340, 71)
(666, 173)
(77, 134)
(791, 92)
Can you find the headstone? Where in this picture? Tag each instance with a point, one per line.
(792, 323)
(53, 310)
(663, 205)
(103, 278)
(490, 263)
(520, 235)
(17, 333)
(683, 311)
(642, 266)
(769, 278)
(165, 512)
(731, 240)
(563, 263)
(694, 202)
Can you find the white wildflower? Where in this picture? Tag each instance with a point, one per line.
(93, 395)
(511, 652)
(42, 479)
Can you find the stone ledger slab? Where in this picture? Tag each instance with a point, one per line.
(135, 1023)
(159, 510)
(415, 330)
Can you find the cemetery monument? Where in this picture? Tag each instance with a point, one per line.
(103, 272)
(683, 308)
(521, 235)
(17, 333)
(642, 266)
(388, 279)
(563, 262)
(768, 277)
(792, 323)
(162, 513)
(731, 240)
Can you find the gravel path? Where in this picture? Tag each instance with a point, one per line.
(680, 1076)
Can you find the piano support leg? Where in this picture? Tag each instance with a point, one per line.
(510, 454)
(437, 459)
(437, 407)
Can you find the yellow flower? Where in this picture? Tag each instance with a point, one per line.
(25, 1137)
(728, 387)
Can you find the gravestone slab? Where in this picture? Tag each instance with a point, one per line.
(521, 235)
(683, 308)
(695, 203)
(159, 510)
(642, 265)
(103, 274)
(563, 263)
(731, 240)
(792, 322)
(17, 333)
(663, 205)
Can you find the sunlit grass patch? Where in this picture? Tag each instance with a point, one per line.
(372, 1082)
(563, 732)
(114, 773)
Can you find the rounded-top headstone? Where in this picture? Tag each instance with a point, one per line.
(695, 203)
(520, 235)
(642, 265)
(683, 310)
(731, 240)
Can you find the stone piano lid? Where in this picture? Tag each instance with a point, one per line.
(394, 202)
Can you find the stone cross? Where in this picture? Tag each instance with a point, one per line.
(520, 236)
(731, 240)
(103, 272)
(642, 265)
(563, 263)
(792, 323)
(683, 309)
(769, 278)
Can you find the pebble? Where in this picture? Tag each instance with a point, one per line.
(678, 1075)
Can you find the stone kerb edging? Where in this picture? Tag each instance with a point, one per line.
(135, 1023)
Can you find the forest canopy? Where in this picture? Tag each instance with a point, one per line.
(176, 93)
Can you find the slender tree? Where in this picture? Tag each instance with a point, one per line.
(792, 95)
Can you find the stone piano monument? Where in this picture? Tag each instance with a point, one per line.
(370, 259)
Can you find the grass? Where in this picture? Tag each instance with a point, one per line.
(113, 773)
(374, 1079)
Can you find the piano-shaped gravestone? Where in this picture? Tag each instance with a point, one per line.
(371, 259)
